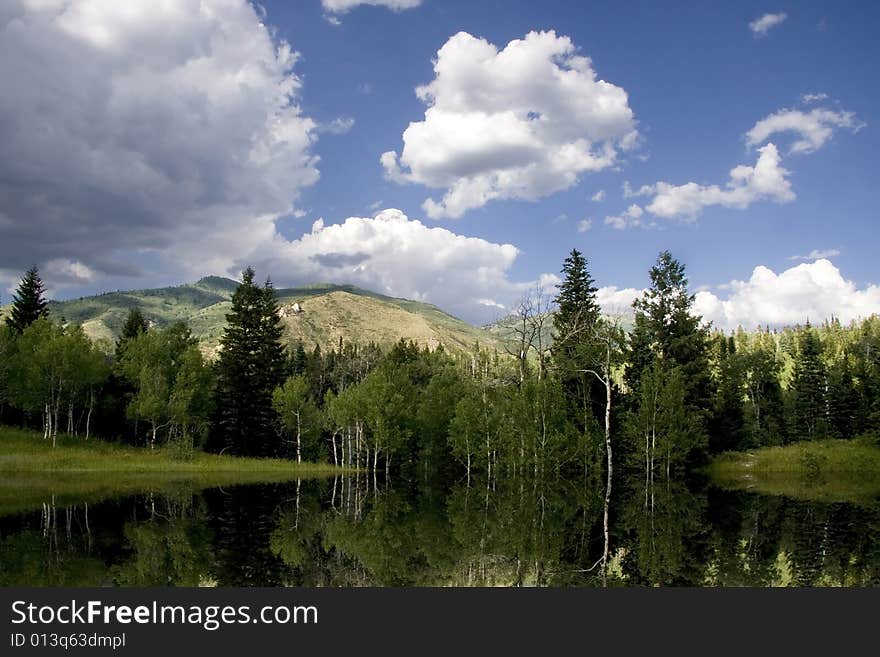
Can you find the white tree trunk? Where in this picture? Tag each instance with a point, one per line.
(298, 441)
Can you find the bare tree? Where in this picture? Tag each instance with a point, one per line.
(530, 328)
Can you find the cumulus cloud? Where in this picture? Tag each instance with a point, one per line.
(344, 6)
(522, 122)
(811, 291)
(629, 218)
(817, 254)
(760, 26)
(813, 128)
(767, 180)
(615, 300)
(398, 256)
(599, 196)
(137, 128)
(584, 225)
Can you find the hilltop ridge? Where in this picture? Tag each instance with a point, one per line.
(319, 313)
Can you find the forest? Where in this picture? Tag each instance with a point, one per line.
(655, 392)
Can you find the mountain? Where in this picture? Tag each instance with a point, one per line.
(316, 314)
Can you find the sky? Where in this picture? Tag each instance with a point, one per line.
(450, 152)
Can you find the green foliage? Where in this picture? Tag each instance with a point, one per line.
(761, 370)
(668, 371)
(171, 382)
(577, 343)
(667, 330)
(299, 415)
(808, 400)
(726, 426)
(843, 400)
(51, 369)
(662, 431)
(250, 367)
(28, 304)
(577, 307)
(134, 325)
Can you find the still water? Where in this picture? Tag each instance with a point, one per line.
(355, 531)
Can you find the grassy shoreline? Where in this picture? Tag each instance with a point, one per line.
(32, 472)
(823, 470)
(26, 451)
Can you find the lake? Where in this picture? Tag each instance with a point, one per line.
(354, 531)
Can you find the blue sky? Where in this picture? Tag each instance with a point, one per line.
(696, 80)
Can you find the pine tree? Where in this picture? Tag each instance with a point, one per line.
(668, 332)
(134, 325)
(765, 412)
(727, 422)
(666, 329)
(577, 307)
(808, 398)
(249, 368)
(28, 304)
(843, 400)
(575, 344)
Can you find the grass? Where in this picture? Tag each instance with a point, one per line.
(825, 470)
(33, 472)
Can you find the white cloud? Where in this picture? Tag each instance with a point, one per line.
(137, 128)
(629, 218)
(584, 225)
(812, 291)
(806, 99)
(760, 26)
(522, 122)
(817, 254)
(614, 300)
(813, 128)
(398, 256)
(337, 126)
(599, 196)
(765, 181)
(491, 303)
(344, 6)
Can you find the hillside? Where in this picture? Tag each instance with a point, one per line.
(327, 313)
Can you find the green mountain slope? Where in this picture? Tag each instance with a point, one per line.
(325, 314)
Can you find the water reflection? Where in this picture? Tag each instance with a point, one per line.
(521, 532)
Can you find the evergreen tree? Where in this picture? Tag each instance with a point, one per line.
(765, 412)
(667, 333)
(843, 400)
(667, 330)
(297, 362)
(575, 343)
(249, 368)
(28, 304)
(727, 423)
(867, 373)
(807, 392)
(134, 325)
(577, 307)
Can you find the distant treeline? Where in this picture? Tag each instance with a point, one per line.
(660, 396)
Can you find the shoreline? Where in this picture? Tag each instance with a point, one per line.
(23, 451)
